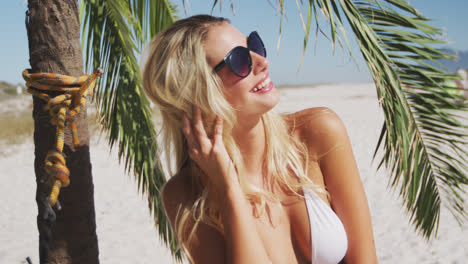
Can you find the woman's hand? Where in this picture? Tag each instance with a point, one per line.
(209, 153)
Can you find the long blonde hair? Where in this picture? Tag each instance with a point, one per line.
(176, 77)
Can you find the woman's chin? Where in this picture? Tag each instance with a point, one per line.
(271, 100)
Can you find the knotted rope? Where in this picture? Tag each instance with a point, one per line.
(62, 108)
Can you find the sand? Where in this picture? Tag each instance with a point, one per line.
(126, 232)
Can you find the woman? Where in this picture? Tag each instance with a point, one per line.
(249, 185)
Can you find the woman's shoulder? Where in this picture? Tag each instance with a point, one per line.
(177, 191)
(320, 128)
(309, 114)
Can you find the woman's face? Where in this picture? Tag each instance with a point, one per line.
(240, 92)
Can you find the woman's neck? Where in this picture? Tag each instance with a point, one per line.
(250, 137)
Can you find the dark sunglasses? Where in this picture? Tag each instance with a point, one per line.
(239, 59)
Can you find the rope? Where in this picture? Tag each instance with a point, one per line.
(62, 108)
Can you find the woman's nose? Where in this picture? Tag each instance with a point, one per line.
(259, 63)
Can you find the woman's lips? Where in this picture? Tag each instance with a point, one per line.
(266, 89)
(262, 85)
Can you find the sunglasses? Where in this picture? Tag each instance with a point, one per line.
(239, 59)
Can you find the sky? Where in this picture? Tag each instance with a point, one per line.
(320, 65)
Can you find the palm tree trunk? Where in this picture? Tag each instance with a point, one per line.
(54, 46)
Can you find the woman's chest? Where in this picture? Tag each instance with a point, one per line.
(285, 231)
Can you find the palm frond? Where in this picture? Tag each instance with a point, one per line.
(331, 12)
(423, 137)
(424, 133)
(113, 32)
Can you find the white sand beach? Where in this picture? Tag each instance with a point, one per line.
(127, 234)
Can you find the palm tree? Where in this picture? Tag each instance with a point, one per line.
(395, 41)
(53, 32)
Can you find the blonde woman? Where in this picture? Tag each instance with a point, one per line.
(249, 185)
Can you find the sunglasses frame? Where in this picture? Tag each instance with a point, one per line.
(227, 58)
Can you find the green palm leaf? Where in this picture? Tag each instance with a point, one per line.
(113, 32)
(422, 138)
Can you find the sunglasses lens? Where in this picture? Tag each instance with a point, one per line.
(255, 44)
(239, 61)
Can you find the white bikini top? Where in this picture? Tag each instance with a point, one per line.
(329, 241)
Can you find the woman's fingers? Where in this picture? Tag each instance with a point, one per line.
(188, 132)
(198, 142)
(200, 133)
(198, 122)
(218, 130)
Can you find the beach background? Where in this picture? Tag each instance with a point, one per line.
(125, 230)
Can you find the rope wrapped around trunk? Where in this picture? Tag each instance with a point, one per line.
(63, 108)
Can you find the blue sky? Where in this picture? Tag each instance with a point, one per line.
(320, 64)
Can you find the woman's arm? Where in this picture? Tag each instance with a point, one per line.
(241, 242)
(327, 136)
